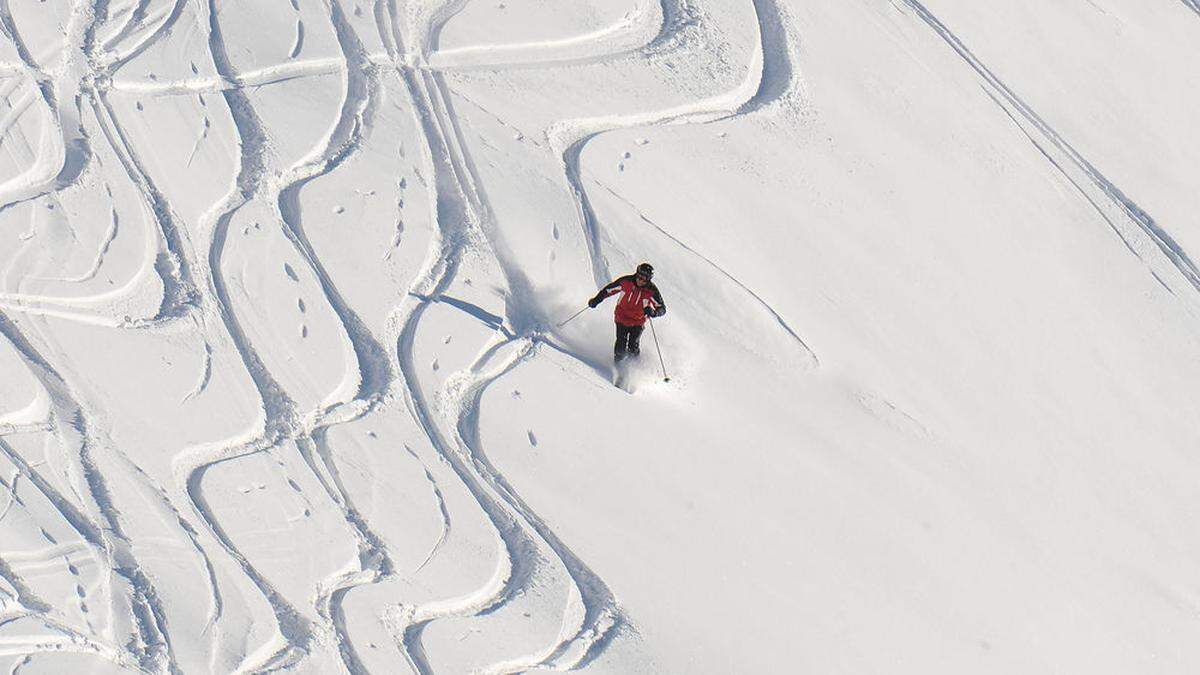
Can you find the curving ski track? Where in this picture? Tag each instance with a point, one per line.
(187, 259)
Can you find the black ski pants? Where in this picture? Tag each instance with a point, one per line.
(628, 341)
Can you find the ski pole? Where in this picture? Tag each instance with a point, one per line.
(659, 349)
(573, 317)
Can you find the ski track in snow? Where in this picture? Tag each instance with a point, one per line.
(76, 428)
(1166, 260)
(460, 206)
(91, 516)
(720, 270)
(187, 260)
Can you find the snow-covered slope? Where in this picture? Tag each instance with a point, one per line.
(283, 386)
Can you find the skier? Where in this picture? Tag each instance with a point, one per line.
(639, 299)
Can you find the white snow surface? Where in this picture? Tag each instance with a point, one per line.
(283, 386)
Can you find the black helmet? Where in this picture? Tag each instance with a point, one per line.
(646, 271)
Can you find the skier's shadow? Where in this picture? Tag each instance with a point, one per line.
(494, 321)
(594, 354)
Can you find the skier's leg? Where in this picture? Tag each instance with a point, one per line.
(635, 336)
(620, 347)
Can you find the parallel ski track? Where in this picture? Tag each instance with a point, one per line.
(83, 81)
(102, 530)
(196, 288)
(72, 140)
(461, 209)
(73, 424)
(281, 420)
(280, 417)
(454, 218)
(376, 373)
(601, 609)
(1131, 223)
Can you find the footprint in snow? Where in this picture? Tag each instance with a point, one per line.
(398, 235)
(436, 365)
(303, 330)
(287, 269)
(300, 304)
(339, 209)
(532, 439)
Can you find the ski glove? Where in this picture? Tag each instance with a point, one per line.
(594, 302)
(654, 311)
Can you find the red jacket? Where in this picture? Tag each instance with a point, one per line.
(631, 307)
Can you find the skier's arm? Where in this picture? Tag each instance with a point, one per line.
(614, 287)
(657, 306)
